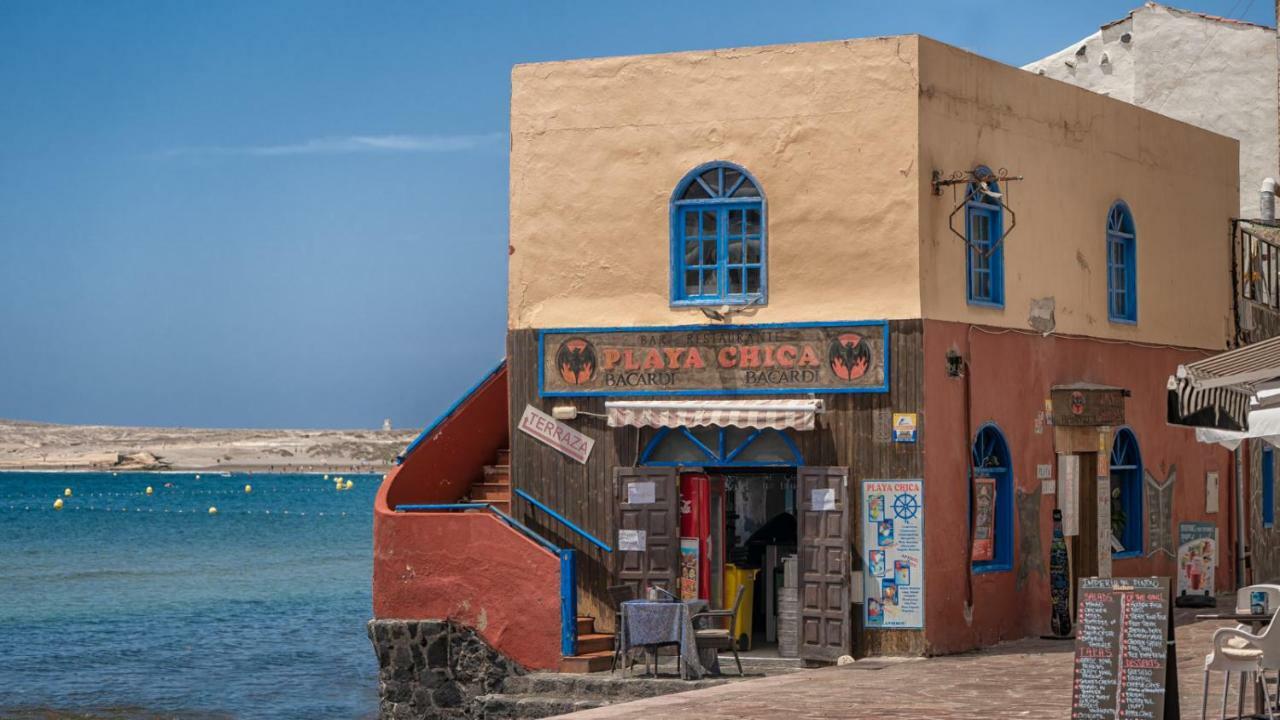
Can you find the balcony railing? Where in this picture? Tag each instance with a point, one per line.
(1257, 256)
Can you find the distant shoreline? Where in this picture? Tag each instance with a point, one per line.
(32, 447)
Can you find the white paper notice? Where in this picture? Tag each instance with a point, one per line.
(1211, 492)
(640, 493)
(1048, 487)
(1044, 472)
(631, 540)
(824, 499)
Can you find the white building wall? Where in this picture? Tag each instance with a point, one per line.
(1214, 73)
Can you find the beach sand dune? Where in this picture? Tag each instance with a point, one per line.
(47, 446)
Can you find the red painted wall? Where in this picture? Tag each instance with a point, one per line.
(446, 462)
(473, 569)
(1010, 374)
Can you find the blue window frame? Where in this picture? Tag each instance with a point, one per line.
(984, 231)
(1122, 265)
(991, 459)
(1126, 494)
(714, 446)
(1268, 486)
(718, 253)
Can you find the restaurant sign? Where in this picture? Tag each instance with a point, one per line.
(850, 357)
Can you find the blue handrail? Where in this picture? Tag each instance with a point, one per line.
(515, 524)
(568, 567)
(567, 523)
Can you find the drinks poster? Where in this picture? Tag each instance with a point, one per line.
(1197, 558)
(893, 553)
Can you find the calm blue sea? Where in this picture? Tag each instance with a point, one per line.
(129, 605)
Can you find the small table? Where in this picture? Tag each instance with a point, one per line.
(1255, 622)
(650, 623)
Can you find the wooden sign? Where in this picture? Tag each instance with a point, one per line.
(1083, 405)
(1124, 667)
(550, 431)
(847, 357)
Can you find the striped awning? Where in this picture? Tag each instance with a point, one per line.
(1216, 391)
(777, 414)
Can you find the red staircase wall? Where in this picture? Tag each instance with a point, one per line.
(452, 452)
(473, 569)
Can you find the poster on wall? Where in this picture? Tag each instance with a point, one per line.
(983, 522)
(1197, 560)
(1069, 493)
(893, 553)
(688, 568)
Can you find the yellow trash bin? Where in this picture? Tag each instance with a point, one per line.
(746, 577)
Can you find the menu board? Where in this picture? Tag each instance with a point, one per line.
(1123, 635)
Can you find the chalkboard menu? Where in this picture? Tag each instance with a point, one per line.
(1124, 667)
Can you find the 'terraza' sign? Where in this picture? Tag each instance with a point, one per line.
(718, 359)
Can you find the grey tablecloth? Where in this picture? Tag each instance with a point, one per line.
(649, 623)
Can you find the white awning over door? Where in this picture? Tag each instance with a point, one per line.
(779, 414)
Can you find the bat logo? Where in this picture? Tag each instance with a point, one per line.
(576, 361)
(850, 356)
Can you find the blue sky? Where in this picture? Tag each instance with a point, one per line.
(293, 214)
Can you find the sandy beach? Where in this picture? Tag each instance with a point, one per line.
(46, 446)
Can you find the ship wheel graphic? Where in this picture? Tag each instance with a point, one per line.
(905, 506)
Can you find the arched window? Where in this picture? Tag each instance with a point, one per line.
(984, 229)
(1126, 494)
(713, 446)
(1122, 265)
(991, 460)
(718, 238)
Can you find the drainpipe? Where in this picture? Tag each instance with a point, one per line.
(1267, 200)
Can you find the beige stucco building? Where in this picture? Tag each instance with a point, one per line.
(843, 138)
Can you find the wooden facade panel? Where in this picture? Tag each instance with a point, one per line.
(853, 433)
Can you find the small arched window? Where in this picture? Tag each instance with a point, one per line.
(1126, 494)
(718, 252)
(1122, 265)
(984, 230)
(991, 460)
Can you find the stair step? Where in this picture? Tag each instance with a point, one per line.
(504, 457)
(586, 625)
(483, 492)
(594, 642)
(500, 705)
(497, 473)
(587, 663)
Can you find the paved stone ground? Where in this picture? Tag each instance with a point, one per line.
(1023, 679)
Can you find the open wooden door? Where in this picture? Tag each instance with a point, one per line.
(823, 499)
(648, 520)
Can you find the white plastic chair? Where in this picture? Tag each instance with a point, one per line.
(1239, 651)
(1244, 597)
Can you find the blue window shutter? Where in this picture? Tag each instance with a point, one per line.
(1268, 487)
(730, 265)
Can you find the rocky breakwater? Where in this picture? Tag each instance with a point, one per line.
(434, 669)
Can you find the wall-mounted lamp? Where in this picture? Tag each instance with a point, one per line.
(955, 364)
(564, 412)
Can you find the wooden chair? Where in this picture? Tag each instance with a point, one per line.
(619, 594)
(722, 638)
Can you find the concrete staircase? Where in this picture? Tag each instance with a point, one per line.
(542, 695)
(595, 650)
(495, 487)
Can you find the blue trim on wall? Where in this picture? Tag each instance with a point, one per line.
(724, 457)
(1268, 486)
(1129, 239)
(451, 409)
(675, 203)
(884, 360)
(1129, 473)
(568, 604)
(1002, 555)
